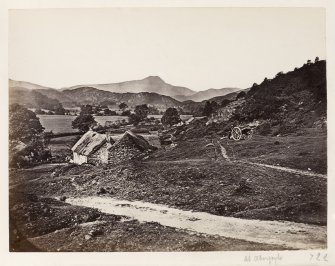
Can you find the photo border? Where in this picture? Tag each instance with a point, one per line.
(161, 258)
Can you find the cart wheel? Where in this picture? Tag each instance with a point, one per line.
(236, 133)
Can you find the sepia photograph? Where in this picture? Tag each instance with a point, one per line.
(168, 129)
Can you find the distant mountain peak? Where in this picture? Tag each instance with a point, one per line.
(154, 78)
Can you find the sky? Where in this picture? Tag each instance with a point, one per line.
(199, 48)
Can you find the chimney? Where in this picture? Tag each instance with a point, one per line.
(108, 136)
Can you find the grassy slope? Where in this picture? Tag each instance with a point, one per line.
(298, 151)
(308, 150)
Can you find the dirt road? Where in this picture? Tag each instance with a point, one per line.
(286, 169)
(285, 234)
(280, 168)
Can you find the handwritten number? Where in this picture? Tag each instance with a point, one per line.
(318, 257)
(325, 257)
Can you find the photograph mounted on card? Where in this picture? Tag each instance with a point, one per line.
(179, 129)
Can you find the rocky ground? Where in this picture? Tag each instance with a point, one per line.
(40, 223)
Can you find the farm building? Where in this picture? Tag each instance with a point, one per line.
(91, 148)
(96, 148)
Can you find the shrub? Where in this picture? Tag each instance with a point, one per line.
(242, 94)
(265, 128)
(126, 113)
(285, 129)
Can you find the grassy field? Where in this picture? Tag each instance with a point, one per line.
(63, 123)
(298, 151)
(304, 150)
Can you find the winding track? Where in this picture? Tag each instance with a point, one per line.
(286, 234)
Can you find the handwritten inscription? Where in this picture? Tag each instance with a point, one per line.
(318, 257)
(264, 259)
(274, 259)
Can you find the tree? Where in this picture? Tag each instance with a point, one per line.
(123, 106)
(153, 110)
(254, 85)
(126, 113)
(86, 109)
(24, 125)
(26, 132)
(316, 59)
(38, 111)
(171, 117)
(109, 112)
(84, 122)
(60, 110)
(279, 74)
(134, 119)
(210, 107)
(141, 111)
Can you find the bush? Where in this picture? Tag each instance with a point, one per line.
(242, 187)
(225, 102)
(126, 113)
(242, 94)
(285, 129)
(264, 129)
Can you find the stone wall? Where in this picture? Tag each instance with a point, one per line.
(79, 159)
(122, 153)
(100, 156)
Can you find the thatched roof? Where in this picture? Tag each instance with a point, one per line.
(89, 143)
(131, 139)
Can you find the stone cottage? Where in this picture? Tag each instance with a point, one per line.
(90, 148)
(96, 148)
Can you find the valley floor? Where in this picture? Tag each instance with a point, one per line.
(189, 177)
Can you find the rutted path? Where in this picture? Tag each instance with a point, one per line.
(286, 234)
(280, 168)
(286, 169)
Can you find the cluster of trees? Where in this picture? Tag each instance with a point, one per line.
(212, 106)
(171, 117)
(26, 131)
(57, 111)
(278, 99)
(140, 113)
(99, 110)
(85, 120)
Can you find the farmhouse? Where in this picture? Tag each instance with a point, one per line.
(96, 148)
